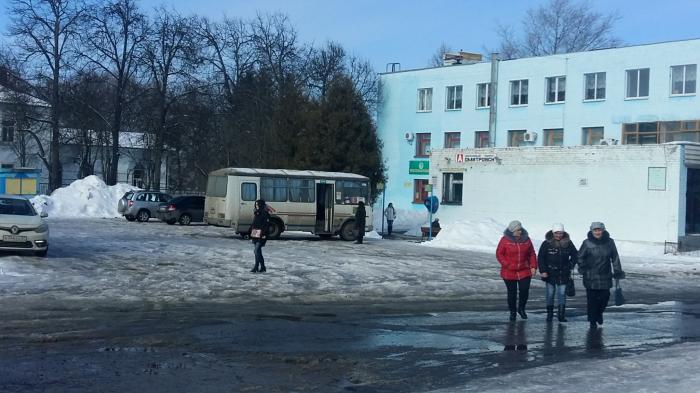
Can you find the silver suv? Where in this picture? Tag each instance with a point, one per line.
(141, 205)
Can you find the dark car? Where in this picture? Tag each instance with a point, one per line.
(183, 209)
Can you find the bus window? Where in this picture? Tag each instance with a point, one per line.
(249, 191)
(216, 186)
(351, 192)
(302, 190)
(273, 189)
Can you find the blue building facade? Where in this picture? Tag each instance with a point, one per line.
(645, 94)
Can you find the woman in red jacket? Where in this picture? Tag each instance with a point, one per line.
(518, 262)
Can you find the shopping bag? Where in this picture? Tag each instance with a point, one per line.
(256, 233)
(619, 297)
(570, 288)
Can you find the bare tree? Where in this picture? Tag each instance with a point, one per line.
(170, 56)
(436, 59)
(112, 44)
(44, 32)
(559, 26)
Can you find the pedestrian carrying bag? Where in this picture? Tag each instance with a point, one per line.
(619, 297)
(570, 288)
(256, 233)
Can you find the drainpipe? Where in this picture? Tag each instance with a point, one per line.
(493, 90)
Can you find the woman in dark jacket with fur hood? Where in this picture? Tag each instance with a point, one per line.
(599, 263)
(556, 259)
(516, 255)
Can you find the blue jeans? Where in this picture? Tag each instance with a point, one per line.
(259, 260)
(560, 290)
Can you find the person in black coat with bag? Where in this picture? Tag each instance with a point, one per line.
(556, 259)
(360, 217)
(599, 263)
(258, 233)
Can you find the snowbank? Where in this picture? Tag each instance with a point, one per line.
(88, 197)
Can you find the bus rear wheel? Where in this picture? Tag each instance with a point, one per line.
(347, 231)
(274, 230)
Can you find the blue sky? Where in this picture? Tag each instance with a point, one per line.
(410, 31)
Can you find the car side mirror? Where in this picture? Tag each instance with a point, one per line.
(43, 215)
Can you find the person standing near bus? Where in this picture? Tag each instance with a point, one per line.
(258, 234)
(360, 215)
(390, 215)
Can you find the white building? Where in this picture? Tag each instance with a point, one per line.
(553, 112)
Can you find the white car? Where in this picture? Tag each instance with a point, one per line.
(21, 228)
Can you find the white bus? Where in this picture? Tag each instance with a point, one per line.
(323, 203)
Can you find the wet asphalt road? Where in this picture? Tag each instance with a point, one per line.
(307, 348)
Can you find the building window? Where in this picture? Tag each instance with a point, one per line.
(556, 89)
(273, 189)
(7, 166)
(518, 92)
(516, 138)
(595, 86)
(554, 137)
(425, 100)
(683, 79)
(8, 131)
(638, 83)
(481, 139)
(419, 192)
(454, 97)
(592, 135)
(452, 140)
(483, 95)
(661, 132)
(452, 188)
(422, 144)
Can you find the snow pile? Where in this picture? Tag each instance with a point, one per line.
(408, 221)
(88, 197)
(469, 235)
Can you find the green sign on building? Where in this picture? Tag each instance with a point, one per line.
(419, 167)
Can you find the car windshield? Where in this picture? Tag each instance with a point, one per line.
(17, 207)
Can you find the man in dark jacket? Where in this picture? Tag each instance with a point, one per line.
(599, 263)
(360, 215)
(556, 258)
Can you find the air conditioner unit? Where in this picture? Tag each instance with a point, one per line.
(530, 137)
(408, 136)
(609, 141)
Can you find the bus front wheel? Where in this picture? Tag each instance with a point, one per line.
(347, 231)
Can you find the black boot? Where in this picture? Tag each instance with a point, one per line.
(593, 325)
(561, 313)
(550, 313)
(522, 313)
(512, 315)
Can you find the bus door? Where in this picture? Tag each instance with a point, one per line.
(248, 191)
(325, 200)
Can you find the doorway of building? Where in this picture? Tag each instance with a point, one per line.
(692, 200)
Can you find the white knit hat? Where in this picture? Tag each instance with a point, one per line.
(558, 227)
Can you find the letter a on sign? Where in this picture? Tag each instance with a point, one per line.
(460, 157)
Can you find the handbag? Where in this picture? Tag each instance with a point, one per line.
(256, 233)
(619, 297)
(570, 288)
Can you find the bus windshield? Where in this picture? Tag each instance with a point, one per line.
(351, 192)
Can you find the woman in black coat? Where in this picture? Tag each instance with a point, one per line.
(360, 215)
(258, 233)
(556, 258)
(599, 263)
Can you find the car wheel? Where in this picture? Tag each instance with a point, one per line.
(274, 230)
(143, 215)
(171, 222)
(42, 253)
(185, 219)
(130, 217)
(347, 231)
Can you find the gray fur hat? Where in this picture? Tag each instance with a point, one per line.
(597, 225)
(515, 225)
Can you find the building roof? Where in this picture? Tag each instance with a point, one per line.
(9, 96)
